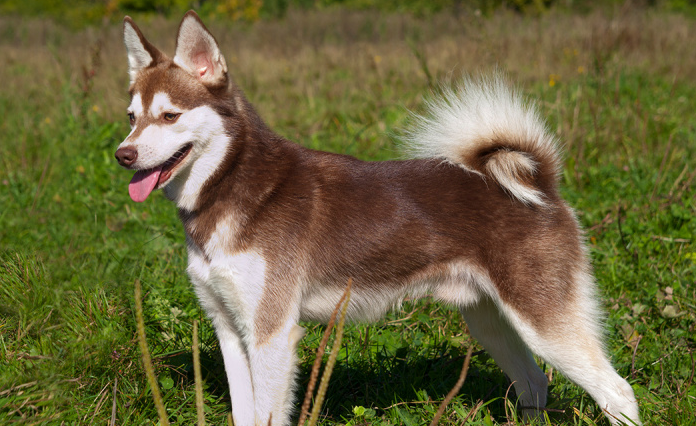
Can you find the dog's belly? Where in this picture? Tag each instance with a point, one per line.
(455, 283)
(366, 304)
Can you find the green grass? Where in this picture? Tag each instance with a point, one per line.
(619, 90)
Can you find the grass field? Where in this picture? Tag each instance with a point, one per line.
(618, 87)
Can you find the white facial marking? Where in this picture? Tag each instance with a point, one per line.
(162, 103)
(210, 140)
(136, 106)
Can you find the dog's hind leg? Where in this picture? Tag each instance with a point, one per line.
(571, 341)
(492, 330)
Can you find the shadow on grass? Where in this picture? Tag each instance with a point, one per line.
(404, 380)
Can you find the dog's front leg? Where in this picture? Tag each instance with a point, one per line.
(273, 362)
(255, 318)
(234, 355)
(212, 287)
(238, 377)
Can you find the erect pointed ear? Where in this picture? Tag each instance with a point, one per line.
(141, 53)
(198, 52)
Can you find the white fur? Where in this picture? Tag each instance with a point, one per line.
(233, 349)
(461, 285)
(136, 106)
(495, 333)
(210, 141)
(274, 367)
(157, 142)
(230, 287)
(161, 103)
(477, 113)
(464, 285)
(152, 152)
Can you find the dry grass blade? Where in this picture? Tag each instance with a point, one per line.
(455, 389)
(113, 405)
(102, 397)
(304, 411)
(147, 361)
(321, 393)
(198, 376)
(473, 411)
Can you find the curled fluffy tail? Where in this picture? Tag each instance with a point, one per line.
(486, 127)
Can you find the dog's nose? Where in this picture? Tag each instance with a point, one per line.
(126, 156)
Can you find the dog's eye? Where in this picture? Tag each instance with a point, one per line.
(170, 116)
(131, 118)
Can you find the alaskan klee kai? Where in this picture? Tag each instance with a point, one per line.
(274, 230)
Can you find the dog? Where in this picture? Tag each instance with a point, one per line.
(274, 230)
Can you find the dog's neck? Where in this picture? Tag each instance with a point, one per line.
(242, 165)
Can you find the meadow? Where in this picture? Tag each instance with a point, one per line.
(618, 87)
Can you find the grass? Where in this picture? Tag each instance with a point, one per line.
(617, 86)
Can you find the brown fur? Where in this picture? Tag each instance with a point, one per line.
(421, 213)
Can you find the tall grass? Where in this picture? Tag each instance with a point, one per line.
(618, 87)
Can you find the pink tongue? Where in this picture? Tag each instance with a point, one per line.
(142, 184)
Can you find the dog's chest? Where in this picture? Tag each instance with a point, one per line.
(229, 283)
(211, 246)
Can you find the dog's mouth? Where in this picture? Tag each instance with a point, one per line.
(169, 165)
(145, 181)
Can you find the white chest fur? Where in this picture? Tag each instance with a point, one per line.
(229, 286)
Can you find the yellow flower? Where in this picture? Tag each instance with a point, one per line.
(553, 78)
(581, 70)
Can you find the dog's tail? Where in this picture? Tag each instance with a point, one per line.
(486, 127)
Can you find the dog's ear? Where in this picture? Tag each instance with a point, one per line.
(198, 52)
(141, 54)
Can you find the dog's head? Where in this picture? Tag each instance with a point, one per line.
(172, 110)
